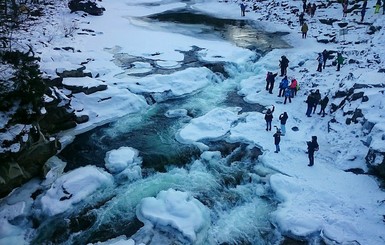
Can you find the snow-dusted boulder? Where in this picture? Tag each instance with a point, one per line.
(74, 187)
(174, 214)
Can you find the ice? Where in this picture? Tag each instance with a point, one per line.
(73, 187)
(174, 209)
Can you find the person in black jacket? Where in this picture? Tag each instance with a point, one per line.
(317, 99)
(324, 102)
(312, 146)
(277, 139)
(270, 79)
(283, 118)
(310, 104)
(325, 56)
(283, 63)
(269, 118)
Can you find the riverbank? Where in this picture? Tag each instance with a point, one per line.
(325, 202)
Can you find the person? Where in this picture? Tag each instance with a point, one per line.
(287, 95)
(269, 118)
(363, 10)
(383, 6)
(293, 87)
(378, 6)
(313, 9)
(308, 9)
(277, 140)
(317, 99)
(283, 63)
(243, 8)
(270, 79)
(310, 104)
(312, 146)
(282, 86)
(302, 19)
(324, 102)
(304, 6)
(304, 30)
(320, 62)
(344, 9)
(283, 118)
(325, 56)
(339, 60)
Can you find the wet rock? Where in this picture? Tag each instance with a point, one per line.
(89, 7)
(375, 160)
(18, 168)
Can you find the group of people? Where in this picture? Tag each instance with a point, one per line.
(377, 8)
(312, 146)
(288, 89)
(310, 10)
(324, 56)
(313, 100)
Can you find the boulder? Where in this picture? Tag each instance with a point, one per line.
(376, 162)
(79, 72)
(88, 6)
(18, 168)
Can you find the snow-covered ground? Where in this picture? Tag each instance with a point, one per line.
(319, 201)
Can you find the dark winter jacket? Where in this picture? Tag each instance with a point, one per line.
(317, 97)
(271, 77)
(284, 62)
(312, 146)
(325, 55)
(324, 102)
(269, 115)
(283, 118)
(310, 100)
(277, 138)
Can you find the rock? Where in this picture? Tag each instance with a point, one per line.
(79, 72)
(328, 21)
(357, 113)
(376, 162)
(18, 168)
(87, 6)
(357, 96)
(84, 85)
(82, 119)
(57, 119)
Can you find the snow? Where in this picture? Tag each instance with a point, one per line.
(176, 209)
(72, 187)
(325, 200)
(119, 159)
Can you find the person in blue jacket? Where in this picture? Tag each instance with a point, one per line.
(282, 86)
(287, 95)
